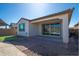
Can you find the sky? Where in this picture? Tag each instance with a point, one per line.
(11, 12)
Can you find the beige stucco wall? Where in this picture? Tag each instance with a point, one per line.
(37, 30)
(33, 29)
(65, 29)
(26, 32)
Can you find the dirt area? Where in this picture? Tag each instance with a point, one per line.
(45, 46)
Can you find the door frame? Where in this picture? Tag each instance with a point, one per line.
(50, 30)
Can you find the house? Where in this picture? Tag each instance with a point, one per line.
(5, 29)
(56, 25)
(3, 24)
(74, 31)
(76, 26)
(13, 25)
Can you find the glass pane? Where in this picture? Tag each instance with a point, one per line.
(51, 29)
(21, 27)
(45, 29)
(55, 29)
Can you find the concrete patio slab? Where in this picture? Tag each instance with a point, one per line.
(7, 49)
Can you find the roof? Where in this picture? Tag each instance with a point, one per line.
(2, 23)
(25, 19)
(12, 24)
(77, 24)
(22, 19)
(69, 11)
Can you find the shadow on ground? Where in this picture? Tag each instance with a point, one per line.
(45, 46)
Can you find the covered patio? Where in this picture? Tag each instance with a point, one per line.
(51, 27)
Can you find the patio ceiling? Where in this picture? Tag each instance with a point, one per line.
(56, 20)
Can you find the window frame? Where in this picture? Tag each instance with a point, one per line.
(22, 24)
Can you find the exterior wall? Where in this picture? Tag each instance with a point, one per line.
(26, 32)
(40, 29)
(64, 28)
(33, 29)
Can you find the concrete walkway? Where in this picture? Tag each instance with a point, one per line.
(9, 50)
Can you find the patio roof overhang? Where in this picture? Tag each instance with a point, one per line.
(49, 17)
(55, 20)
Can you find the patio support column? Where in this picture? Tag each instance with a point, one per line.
(65, 31)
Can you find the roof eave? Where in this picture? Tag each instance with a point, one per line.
(68, 11)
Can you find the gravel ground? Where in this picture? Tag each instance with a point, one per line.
(45, 46)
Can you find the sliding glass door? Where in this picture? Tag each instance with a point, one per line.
(55, 29)
(45, 29)
(51, 29)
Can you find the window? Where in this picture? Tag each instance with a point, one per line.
(55, 29)
(22, 27)
(51, 29)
